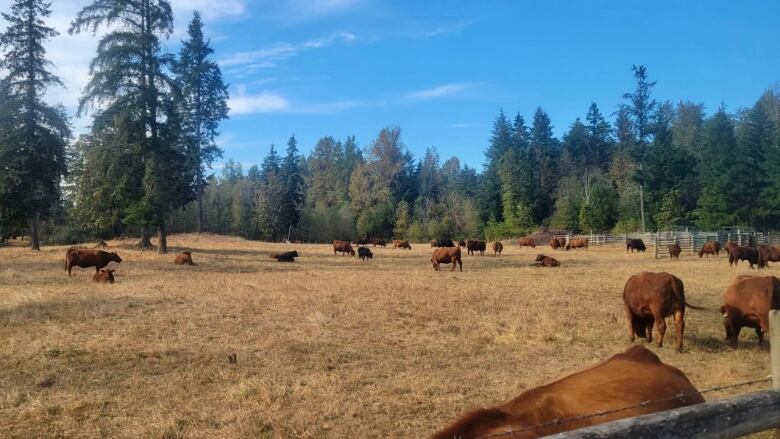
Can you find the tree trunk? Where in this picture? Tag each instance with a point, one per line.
(200, 210)
(145, 243)
(162, 245)
(34, 239)
(642, 206)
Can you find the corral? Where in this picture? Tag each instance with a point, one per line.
(327, 346)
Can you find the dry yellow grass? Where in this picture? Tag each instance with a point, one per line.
(327, 347)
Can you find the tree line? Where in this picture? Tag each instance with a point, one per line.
(145, 164)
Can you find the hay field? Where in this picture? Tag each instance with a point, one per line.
(327, 347)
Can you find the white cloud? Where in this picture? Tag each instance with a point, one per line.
(446, 28)
(461, 125)
(269, 57)
(209, 9)
(265, 102)
(441, 91)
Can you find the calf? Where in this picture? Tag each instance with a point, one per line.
(398, 243)
(674, 251)
(546, 261)
(747, 302)
(498, 248)
(287, 256)
(447, 255)
(767, 254)
(183, 258)
(89, 258)
(364, 253)
(104, 276)
(629, 384)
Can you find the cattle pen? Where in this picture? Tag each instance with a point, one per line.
(690, 241)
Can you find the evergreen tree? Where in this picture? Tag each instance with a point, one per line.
(544, 154)
(719, 197)
(401, 220)
(33, 134)
(203, 104)
(489, 198)
(599, 139)
(755, 138)
(291, 176)
(128, 76)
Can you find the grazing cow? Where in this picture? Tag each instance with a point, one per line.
(101, 244)
(104, 276)
(546, 261)
(648, 299)
(767, 254)
(576, 243)
(526, 242)
(364, 253)
(474, 246)
(446, 255)
(747, 303)
(635, 244)
(738, 253)
(434, 243)
(555, 244)
(635, 378)
(378, 242)
(286, 256)
(461, 243)
(498, 248)
(89, 258)
(344, 247)
(710, 248)
(361, 242)
(674, 251)
(398, 243)
(184, 258)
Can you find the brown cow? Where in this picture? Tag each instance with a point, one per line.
(474, 246)
(674, 251)
(710, 248)
(378, 242)
(648, 299)
(767, 254)
(546, 261)
(184, 258)
(89, 258)
(747, 303)
(104, 276)
(526, 242)
(399, 243)
(446, 255)
(576, 243)
(628, 379)
(738, 253)
(498, 248)
(344, 247)
(555, 244)
(635, 244)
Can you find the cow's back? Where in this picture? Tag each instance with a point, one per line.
(624, 380)
(752, 296)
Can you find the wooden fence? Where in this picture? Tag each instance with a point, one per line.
(689, 241)
(728, 418)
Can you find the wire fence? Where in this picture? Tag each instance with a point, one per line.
(643, 404)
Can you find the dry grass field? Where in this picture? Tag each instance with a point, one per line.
(327, 347)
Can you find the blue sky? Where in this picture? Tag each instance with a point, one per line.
(442, 70)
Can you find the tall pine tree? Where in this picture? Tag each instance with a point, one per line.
(33, 134)
(204, 104)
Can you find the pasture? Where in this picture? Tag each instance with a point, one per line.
(328, 346)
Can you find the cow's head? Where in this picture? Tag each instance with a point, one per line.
(115, 257)
(539, 257)
(187, 252)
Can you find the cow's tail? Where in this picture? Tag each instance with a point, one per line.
(698, 308)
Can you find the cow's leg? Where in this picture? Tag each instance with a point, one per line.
(660, 322)
(97, 269)
(460, 264)
(679, 326)
(631, 323)
(649, 329)
(760, 334)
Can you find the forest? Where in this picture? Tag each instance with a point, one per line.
(146, 165)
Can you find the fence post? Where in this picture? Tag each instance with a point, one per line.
(656, 244)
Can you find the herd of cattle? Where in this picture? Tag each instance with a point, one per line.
(649, 298)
